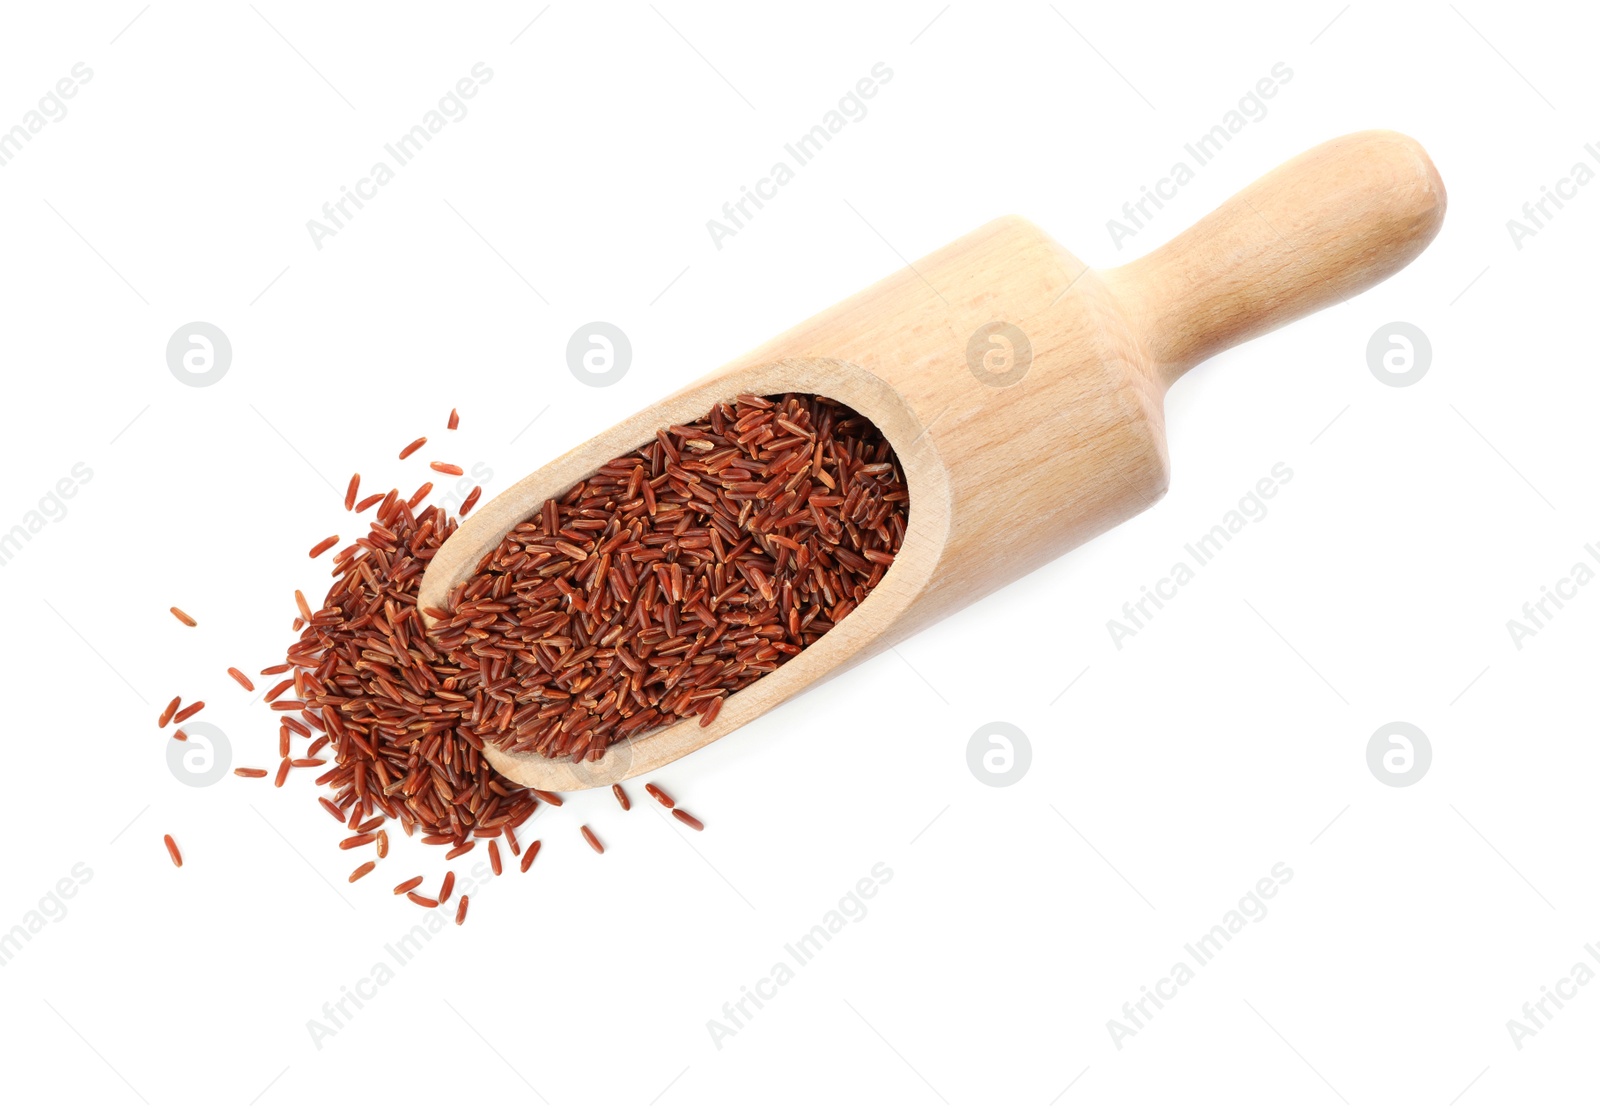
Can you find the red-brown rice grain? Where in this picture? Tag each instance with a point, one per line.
(675, 576)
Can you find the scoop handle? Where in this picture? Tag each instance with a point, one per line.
(1323, 226)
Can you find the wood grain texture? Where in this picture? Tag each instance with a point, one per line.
(1322, 227)
(1005, 477)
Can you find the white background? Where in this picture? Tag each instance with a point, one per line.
(1228, 736)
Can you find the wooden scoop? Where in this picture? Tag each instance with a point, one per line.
(1022, 392)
